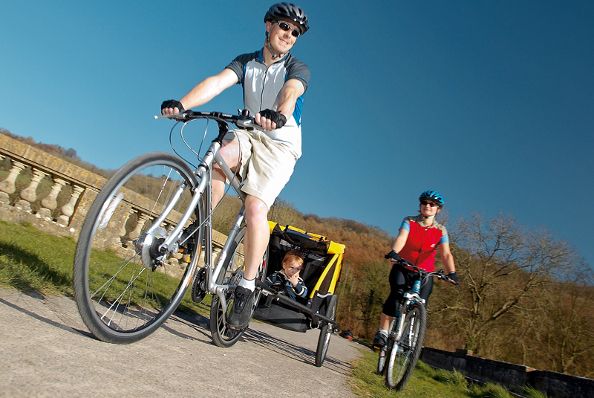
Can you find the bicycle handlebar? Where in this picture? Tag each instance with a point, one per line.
(243, 120)
(440, 274)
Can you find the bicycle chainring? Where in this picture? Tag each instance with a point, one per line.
(199, 286)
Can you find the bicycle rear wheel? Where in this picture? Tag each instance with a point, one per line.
(405, 352)
(123, 286)
(231, 273)
(326, 333)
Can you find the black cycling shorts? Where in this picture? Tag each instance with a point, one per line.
(401, 281)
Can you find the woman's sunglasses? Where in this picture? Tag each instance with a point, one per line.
(286, 27)
(425, 203)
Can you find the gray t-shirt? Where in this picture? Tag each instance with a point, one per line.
(261, 85)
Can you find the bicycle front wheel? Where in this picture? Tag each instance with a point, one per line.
(405, 352)
(124, 286)
(381, 361)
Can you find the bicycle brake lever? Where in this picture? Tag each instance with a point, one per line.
(249, 124)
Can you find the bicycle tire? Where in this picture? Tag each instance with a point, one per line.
(123, 290)
(326, 332)
(222, 335)
(381, 360)
(404, 353)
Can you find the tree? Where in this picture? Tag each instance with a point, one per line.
(563, 334)
(502, 268)
(372, 294)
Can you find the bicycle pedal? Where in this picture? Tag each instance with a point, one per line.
(186, 258)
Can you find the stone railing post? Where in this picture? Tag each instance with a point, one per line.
(81, 209)
(29, 194)
(68, 208)
(8, 186)
(117, 225)
(141, 221)
(50, 202)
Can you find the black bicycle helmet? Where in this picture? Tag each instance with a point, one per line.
(287, 11)
(433, 196)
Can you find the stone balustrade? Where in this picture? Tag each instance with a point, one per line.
(55, 195)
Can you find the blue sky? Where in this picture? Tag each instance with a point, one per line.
(490, 102)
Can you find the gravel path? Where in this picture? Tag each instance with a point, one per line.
(45, 350)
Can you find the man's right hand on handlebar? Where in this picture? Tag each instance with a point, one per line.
(171, 107)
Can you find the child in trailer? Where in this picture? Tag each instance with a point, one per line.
(288, 278)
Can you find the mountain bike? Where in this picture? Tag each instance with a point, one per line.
(126, 287)
(398, 358)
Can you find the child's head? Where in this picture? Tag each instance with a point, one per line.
(292, 263)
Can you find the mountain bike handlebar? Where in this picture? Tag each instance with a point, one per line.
(440, 274)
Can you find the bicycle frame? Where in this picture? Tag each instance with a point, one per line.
(397, 329)
(203, 173)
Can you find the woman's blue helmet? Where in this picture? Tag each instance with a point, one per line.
(433, 196)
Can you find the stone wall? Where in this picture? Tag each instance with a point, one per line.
(55, 195)
(514, 377)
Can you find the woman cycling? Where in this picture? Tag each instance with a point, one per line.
(418, 240)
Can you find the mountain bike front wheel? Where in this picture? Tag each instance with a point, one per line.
(404, 353)
(381, 361)
(125, 287)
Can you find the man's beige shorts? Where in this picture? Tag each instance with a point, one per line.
(265, 165)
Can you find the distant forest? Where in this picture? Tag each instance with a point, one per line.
(525, 298)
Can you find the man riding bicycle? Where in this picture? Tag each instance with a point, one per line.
(418, 240)
(273, 84)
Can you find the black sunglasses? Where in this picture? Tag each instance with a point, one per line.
(285, 27)
(425, 203)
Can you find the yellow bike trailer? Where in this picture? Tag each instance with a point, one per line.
(320, 273)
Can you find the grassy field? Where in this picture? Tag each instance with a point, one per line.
(33, 260)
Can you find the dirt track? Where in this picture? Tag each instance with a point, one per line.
(45, 350)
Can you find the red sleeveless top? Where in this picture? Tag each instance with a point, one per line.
(421, 244)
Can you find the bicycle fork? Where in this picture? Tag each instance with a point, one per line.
(398, 328)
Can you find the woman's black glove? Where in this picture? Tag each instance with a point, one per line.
(393, 256)
(275, 117)
(454, 278)
(172, 104)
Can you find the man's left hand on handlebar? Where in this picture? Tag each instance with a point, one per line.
(270, 120)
